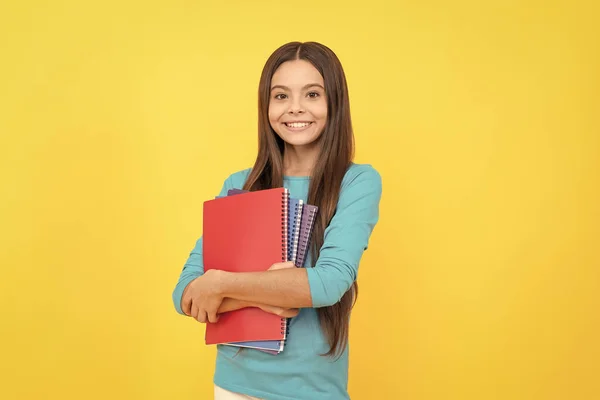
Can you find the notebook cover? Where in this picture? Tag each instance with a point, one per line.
(294, 219)
(245, 234)
(273, 346)
(309, 212)
(231, 192)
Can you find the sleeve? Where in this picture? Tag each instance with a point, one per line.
(346, 238)
(194, 266)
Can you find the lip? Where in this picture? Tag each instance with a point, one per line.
(289, 128)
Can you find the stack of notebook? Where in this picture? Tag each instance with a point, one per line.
(247, 232)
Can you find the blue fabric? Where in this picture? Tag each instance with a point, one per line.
(300, 372)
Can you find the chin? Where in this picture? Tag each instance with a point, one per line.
(299, 141)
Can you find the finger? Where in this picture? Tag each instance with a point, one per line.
(194, 311)
(286, 312)
(292, 312)
(213, 317)
(186, 301)
(283, 265)
(274, 310)
(186, 306)
(201, 316)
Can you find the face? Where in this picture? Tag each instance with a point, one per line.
(297, 103)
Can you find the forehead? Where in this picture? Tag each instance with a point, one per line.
(296, 73)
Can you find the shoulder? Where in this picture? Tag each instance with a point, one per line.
(237, 179)
(360, 197)
(362, 178)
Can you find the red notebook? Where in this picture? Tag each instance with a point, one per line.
(245, 233)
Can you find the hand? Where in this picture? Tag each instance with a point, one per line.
(282, 312)
(282, 265)
(202, 297)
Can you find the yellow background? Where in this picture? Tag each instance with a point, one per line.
(119, 118)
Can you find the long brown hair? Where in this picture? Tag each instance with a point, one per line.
(336, 154)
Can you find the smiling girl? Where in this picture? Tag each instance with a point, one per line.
(306, 144)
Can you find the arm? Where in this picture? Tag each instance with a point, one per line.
(346, 238)
(194, 268)
(287, 288)
(204, 288)
(230, 304)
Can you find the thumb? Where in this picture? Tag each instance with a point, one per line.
(282, 265)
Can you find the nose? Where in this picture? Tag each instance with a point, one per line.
(295, 107)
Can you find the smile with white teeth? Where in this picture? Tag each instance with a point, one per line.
(297, 124)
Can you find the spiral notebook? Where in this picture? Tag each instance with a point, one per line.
(301, 219)
(294, 220)
(246, 234)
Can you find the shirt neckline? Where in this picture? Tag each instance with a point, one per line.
(296, 178)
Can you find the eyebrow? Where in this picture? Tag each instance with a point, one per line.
(303, 88)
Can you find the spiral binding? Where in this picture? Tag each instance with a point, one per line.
(284, 255)
(296, 233)
(285, 331)
(284, 224)
(306, 236)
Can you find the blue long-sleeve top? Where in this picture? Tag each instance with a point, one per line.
(300, 372)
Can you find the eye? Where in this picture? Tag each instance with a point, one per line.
(280, 96)
(313, 95)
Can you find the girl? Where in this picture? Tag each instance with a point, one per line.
(306, 145)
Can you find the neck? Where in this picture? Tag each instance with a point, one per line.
(299, 160)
